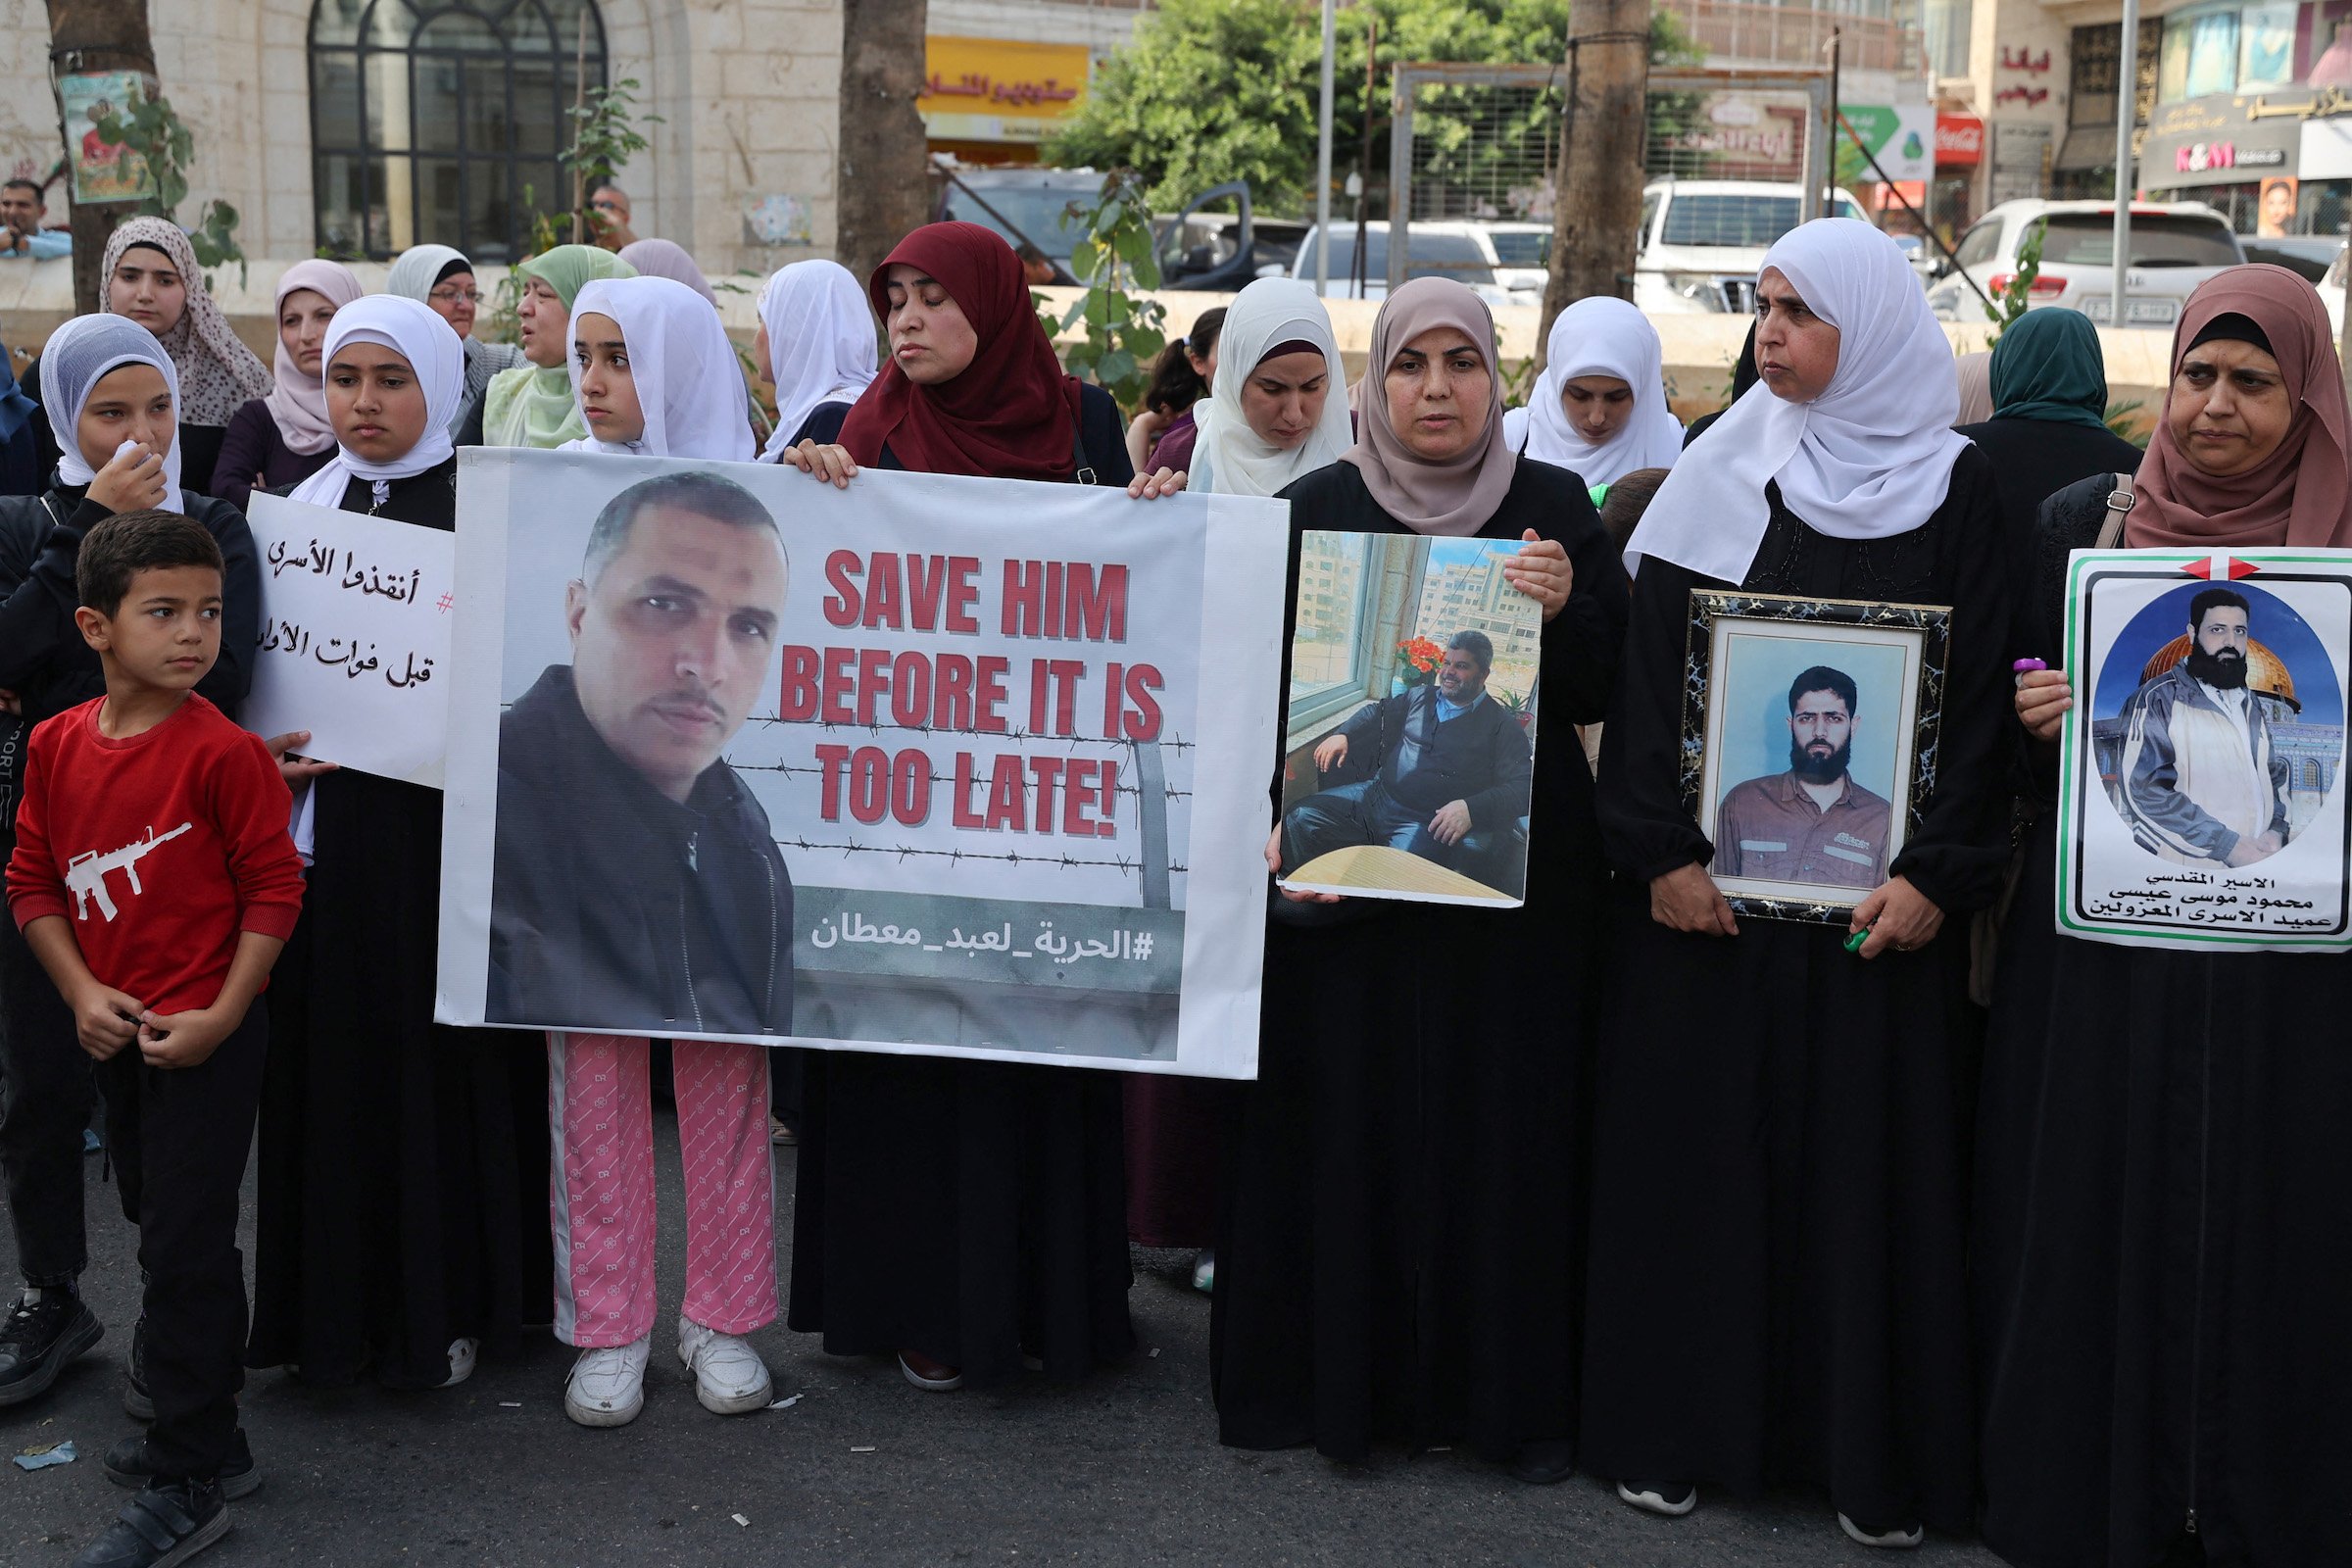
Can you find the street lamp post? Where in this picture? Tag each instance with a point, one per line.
(2127, 110)
(1323, 164)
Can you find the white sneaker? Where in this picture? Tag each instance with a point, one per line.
(1898, 1539)
(607, 1386)
(729, 1378)
(462, 1356)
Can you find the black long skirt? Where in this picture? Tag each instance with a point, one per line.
(973, 1211)
(2164, 1250)
(1398, 1259)
(403, 1164)
(1778, 1218)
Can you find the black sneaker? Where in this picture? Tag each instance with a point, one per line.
(38, 1338)
(127, 1466)
(135, 1402)
(163, 1525)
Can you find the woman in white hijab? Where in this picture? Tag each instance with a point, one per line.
(1599, 408)
(653, 374)
(817, 342)
(395, 1187)
(1789, 1303)
(1278, 409)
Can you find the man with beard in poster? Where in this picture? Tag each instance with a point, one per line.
(2202, 781)
(1812, 823)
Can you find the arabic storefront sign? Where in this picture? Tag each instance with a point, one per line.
(992, 89)
(936, 766)
(355, 637)
(2221, 140)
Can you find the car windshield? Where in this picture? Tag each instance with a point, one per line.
(2158, 239)
(1430, 255)
(1750, 223)
(1037, 211)
(1520, 248)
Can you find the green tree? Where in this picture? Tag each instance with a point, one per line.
(1213, 90)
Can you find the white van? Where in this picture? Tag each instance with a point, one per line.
(1704, 241)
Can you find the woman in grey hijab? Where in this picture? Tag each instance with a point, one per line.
(443, 279)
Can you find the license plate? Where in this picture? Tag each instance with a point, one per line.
(2136, 313)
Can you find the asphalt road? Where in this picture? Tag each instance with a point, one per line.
(864, 1469)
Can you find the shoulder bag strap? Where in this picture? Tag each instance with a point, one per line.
(2119, 503)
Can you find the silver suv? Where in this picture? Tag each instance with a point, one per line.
(2175, 247)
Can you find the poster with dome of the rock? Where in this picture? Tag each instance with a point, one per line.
(2202, 804)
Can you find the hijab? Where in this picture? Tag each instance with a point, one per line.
(420, 270)
(1599, 336)
(218, 374)
(77, 356)
(1869, 458)
(1456, 497)
(821, 343)
(1270, 314)
(684, 369)
(298, 402)
(662, 257)
(1012, 413)
(417, 333)
(1975, 378)
(531, 405)
(2301, 495)
(2048, 365)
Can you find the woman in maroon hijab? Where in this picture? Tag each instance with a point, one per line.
(2161, 1256)
(965, 1215)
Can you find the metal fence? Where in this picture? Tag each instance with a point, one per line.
(1481, 145)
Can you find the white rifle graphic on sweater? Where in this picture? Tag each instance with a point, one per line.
(85, 873)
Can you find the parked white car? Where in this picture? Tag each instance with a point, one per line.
(1439, 248)
(1522, 257)
(2332, 294)
(1702, 241)
(2175, 247)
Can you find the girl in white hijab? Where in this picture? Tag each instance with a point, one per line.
(654, 375)
(1599, 340)
(419, 335)
(1869, 458)
(817, 339)
(80, 354)
(1277, 410)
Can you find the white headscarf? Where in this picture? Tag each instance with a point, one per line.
(687, 382)
(1599, 336)
(417, 270)
(1232, 458)
(77, 356)
(417, 332)
(821, 343)
(1869, 458)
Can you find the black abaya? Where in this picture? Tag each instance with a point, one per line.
(1399, 1254)
(970, 1211)
(2162, 1261)
(404, 1164)
(1780, 1159)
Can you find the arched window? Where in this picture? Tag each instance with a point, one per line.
(440, 120)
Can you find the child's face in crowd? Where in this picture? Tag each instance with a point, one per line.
(166, 633)
(608, 400)
(129, 403)
(374, 402)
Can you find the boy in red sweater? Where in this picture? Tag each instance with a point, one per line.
(155, 880)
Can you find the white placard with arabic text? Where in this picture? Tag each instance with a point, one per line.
(355, 637)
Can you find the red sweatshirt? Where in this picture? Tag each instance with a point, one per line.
(161, 848)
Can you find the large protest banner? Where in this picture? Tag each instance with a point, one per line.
(931, 764)
(355, 636)
(2201, 797)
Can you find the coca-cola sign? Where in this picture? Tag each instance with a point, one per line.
(1959, 141)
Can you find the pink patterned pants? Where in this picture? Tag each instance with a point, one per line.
(599, 1106)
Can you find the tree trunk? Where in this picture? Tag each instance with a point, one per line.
(1598, 212)
(87, 36)
(883, 182)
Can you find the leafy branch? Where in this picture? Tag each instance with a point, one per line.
(153, 132)
(1114, 252)
(2015, 295)
(604, 136)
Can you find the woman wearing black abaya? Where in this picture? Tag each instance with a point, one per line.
(402, 1207)
(1779, 1206)
(1398, 1256)
(2162, 1265)
(963, 1215)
